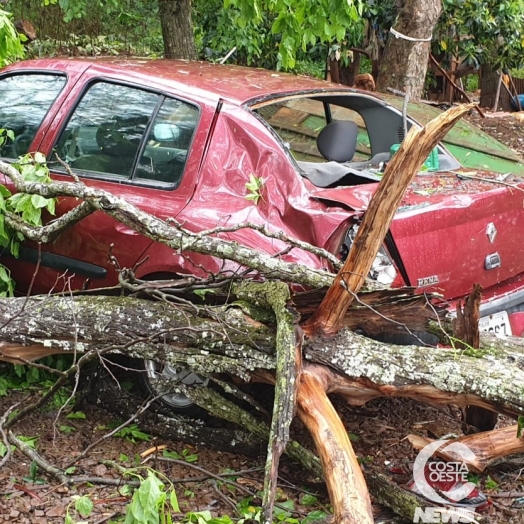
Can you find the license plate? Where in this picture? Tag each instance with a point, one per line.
(496, 324)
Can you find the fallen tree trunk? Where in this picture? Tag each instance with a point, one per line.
(353, 366)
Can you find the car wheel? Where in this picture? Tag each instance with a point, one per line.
(177, 402)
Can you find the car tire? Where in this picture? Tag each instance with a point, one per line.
(176, 402)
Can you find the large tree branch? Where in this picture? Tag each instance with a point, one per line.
(227, 341)
(172, 235)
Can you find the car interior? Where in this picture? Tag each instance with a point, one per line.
(342, 140)
(113, 149)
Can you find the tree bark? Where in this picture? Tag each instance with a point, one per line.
(353, 366)
(229, 347)
(225, 341)
(487, 446)
(405, 61)
(177, 29)
(488, 85)
(342, 471)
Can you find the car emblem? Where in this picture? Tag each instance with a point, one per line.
(491, 231)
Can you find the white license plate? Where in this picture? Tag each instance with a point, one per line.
(496, 324)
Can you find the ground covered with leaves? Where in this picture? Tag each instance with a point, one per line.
(205, 484)
(508, 128)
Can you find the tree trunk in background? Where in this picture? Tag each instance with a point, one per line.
(488, 85)
(177, 29)
(405, 62)
(344, 74)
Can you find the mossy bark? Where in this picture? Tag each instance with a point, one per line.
(227, 341)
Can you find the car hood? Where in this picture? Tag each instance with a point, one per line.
(452, 229)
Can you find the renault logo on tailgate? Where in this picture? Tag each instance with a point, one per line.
(491, 231)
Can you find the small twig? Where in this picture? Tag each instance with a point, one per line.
(67, 167)
(105, 519)
(227, 500)
(459, 89)
(42, 400)
(207, 473)
(222, 479)
(35, 457)
(6, 414)
(278, 235)
(488, 180)
(26, 362)
(29, 492)
(504, 509)
(133, 417)
(507, 494)
(33, 276)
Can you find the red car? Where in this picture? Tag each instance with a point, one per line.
(182, 140)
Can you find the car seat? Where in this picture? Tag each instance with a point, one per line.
(118, 141)
(338, 140)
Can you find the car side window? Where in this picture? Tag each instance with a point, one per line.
(164, 157)
(26, 99)
(126, 133)
(104, 133)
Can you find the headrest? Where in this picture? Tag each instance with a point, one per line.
(117, 137)
(338, 140)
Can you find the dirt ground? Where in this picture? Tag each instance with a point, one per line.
(508, 128)
(378, 433)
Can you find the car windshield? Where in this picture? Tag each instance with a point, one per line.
(344, 139)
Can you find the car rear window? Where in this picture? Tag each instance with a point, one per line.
(26, 99)
(124, 133)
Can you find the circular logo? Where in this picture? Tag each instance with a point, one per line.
(452, 476)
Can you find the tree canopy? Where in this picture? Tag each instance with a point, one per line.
(483, 32)
(11, 48)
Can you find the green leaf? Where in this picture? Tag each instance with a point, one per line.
(308, 500)
(4, 274)
(67, 429)
(125, 490)
(38, 201)
(315, 516)
(171, 454)
(84, 506)
(33, 470)
(203, 292)
(173, 500)
(490, 483)
(281, 510)
(4, 191)
(29, 441)
(39, 158)
(76, 415)
(147, 500)
(51, 206)
(520, 426)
